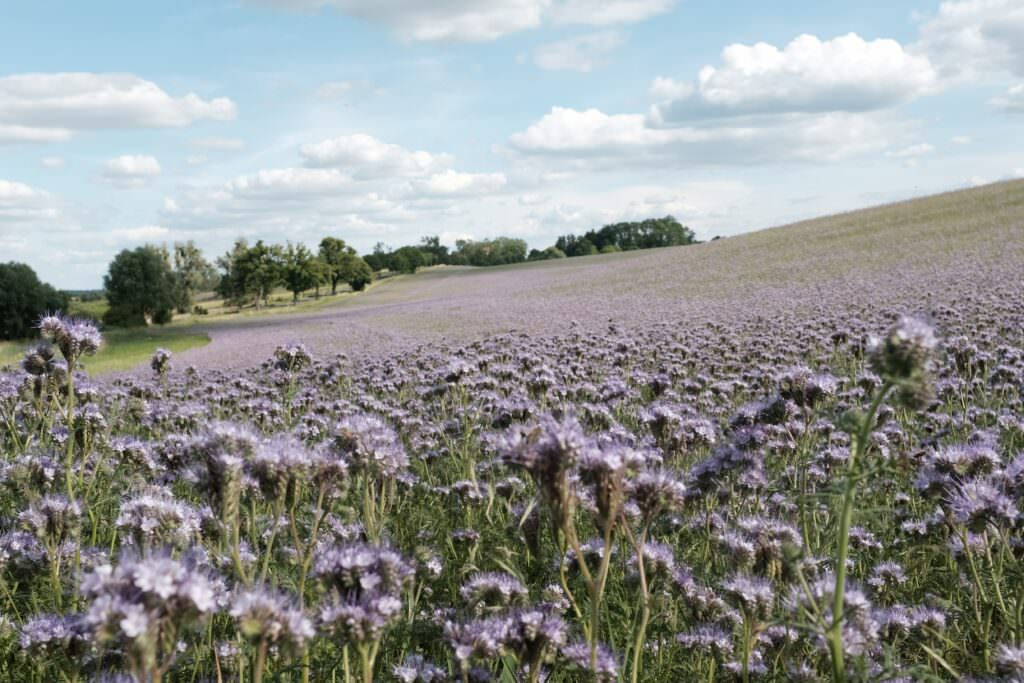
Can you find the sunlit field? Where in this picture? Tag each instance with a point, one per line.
(793, 455)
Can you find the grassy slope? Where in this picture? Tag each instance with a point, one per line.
(978, 223)
(122, 349)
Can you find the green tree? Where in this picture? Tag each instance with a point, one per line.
(193, 274)
(300, 270)
(232, 283)
(338, 257)
(262, 269)
(406, 260)
(141, 287)
(24, 299)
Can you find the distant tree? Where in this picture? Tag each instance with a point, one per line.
(300, 269)
(346, 266)
(406, 260)
(250, 273)
(354, 271)
(432, 245)
(379, 258)
(193, 274)
(262, 269)
(141, 287)
(24, 299)
(647, 234)
(232, 283)
(492, 252)
(545, 254)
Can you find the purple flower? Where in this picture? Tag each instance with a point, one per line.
(265, 616)
(492, 589)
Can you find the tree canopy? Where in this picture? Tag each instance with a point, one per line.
(141, 287)
(24, 299)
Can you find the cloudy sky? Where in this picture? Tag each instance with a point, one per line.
(386, 120)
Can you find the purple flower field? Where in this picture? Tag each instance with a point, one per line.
(796, 455)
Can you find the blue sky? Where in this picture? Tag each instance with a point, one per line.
(386, 120)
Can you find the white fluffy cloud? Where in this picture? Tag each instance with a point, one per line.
(593, 138)
(52, 162)
(40, 107)
(131, 170)
(1012, 102)
(453, 183)
(22, 204)
(290, 183)
(808, 75)
(480, 20)
(968, 37)
(366, 157)
(144, 233)
(580, 53)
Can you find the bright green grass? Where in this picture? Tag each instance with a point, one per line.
(122, 349)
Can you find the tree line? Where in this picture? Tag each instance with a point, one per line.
(498, 251)
(145, 285)
(148, 284)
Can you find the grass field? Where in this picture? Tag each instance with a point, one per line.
(122, 349)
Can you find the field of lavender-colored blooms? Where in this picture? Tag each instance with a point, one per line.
(792, 455)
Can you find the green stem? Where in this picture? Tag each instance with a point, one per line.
(859, 446)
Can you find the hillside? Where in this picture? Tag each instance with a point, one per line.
(905, 254)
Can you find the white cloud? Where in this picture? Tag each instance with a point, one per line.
(581, 53)
(592, 138)
(219, 144)
(290, 183)
(664, 88)
(606, 12)
(141, 234)
(808, 75)
(366, 157)
(968, 37)
(961, 139)
(22, 204)
(131, 170)
(1012, 102)
(39, 107)
(16, 134)
(52, 162)
(448, 183)
(480, 20)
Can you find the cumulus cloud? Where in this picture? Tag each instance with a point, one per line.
(366, 157)
(808, 75)
(1012, 102)
(581, 53)
(664, 88)
(592, 138)
(131, 170)
(451, 183)
(49, 107)
(290, 183)
(23, 204)
(480, 20)
(144, 233)
(968, 37)
(606, 12)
